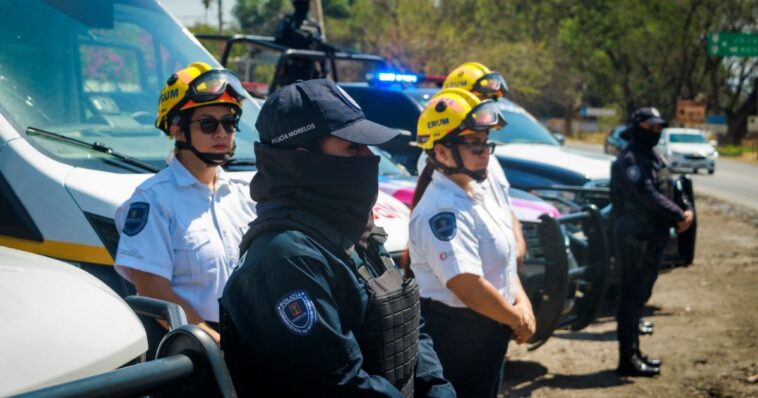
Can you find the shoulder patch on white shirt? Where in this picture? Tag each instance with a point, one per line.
(633, 173)
(297, 312)
(443, 225)
(136, 218)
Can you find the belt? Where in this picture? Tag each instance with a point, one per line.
(440, 308)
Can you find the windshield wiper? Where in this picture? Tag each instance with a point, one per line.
(96, 146)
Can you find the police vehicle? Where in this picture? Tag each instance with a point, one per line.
(68, 334)
(78, 96)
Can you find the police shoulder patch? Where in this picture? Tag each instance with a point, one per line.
(297, 312)
(443, 225)
(136, 218)
(633, 173)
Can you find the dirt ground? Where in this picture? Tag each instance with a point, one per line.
(706, 328)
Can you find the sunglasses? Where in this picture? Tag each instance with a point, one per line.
(477, 148)
(209, 125)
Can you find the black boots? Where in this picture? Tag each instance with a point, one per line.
(634, 366)
(654, 362)
(646, 328)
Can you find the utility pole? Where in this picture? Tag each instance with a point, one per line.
(319, 16)
(220, 17)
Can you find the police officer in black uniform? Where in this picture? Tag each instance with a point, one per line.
(644, 211)
(317, 307)
(296, 30)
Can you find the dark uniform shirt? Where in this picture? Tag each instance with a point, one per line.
(298, 309)
(642, 192)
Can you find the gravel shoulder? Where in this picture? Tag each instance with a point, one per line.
(706, 327)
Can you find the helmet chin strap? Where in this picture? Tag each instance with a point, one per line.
(478, 175)
(210, 159)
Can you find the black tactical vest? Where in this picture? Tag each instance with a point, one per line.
(389, 335)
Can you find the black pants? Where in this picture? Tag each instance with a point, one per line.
(640, 261)
(471, 348)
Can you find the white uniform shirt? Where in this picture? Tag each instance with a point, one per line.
(175, 227)
(455, 233)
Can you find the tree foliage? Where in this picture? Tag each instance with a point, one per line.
(556, 55)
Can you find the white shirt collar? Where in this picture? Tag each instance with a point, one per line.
(184, 178)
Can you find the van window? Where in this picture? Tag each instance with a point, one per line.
(92, 71)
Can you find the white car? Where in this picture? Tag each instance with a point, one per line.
(688, 149)
(61, 324)
(67, 334)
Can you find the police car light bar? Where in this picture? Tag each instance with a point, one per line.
(391, 77)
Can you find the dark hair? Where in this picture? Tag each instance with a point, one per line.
(423, 182)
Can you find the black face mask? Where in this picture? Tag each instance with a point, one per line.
(339, 190)
(644, 137)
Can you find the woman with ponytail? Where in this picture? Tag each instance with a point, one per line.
(463, 251)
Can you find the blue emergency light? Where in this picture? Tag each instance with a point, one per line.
(392, 78)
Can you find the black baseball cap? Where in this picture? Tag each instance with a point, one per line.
(648, 114)
(299, 113)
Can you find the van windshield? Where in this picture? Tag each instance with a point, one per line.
(92, 70)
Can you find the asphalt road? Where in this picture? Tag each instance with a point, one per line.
(734, 181)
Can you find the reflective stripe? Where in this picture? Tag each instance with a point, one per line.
(60, 250)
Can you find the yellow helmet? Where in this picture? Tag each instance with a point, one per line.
(452, 112)
(478, 79)
(198, 84)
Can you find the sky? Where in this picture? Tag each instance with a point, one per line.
(189, 12)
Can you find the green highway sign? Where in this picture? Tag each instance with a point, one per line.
(732, 44)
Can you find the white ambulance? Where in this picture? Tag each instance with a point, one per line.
(78, 95)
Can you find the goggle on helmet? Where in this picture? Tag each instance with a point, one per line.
(197, 85)
(477, 78)
(454, 113)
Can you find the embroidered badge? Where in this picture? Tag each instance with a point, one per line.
(633, 173)
(443, 226)
(136, 218)
(297, 312)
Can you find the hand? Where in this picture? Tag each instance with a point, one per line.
(685, 224)
(211, 332)
(521, 252)
(526, 329)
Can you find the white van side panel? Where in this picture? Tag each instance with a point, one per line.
(38, 182)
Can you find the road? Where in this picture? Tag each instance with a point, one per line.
(734, 181)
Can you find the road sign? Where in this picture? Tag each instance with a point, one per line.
(752, 124)
(690, 112)
(732, 44)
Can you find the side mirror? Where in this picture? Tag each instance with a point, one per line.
(560, 138)
(405, 133)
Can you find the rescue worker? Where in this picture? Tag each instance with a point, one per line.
(181, 228)
(317, 307)
(463, 251)
(644, 211)
(487, 84)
